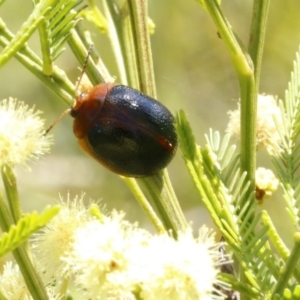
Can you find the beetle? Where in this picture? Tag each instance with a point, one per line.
(125, 130)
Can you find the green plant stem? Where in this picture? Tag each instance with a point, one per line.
(244, 70)
(116, 29)
(86, 39)
(289, 267)
(137, 192)
(159, 190)
(248, 131)
(257, 35)
(141, 39)
(10, 184)
(123, 37)
(130, 60)
(32, 279)
(250, 89)
(80, 52)
(158, 187)
(248, 93)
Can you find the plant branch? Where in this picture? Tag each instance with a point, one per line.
(158, 187)
(141, 39)
(80, 52)
(31, 277)
(289, 267)
(257, 35)
(145, 205)
(244, 70)
(160, 192)
(115, 19)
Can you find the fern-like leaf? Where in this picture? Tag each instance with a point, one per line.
(25, 227)
(290, 267)
(216, 174)
(54, 19)
(55, 30)
(288, 161)
(227, 157)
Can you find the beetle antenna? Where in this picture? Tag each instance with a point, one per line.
(84, 67)
(77, 85)
(57, 120)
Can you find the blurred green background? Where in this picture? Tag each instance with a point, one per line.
(193, 72)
